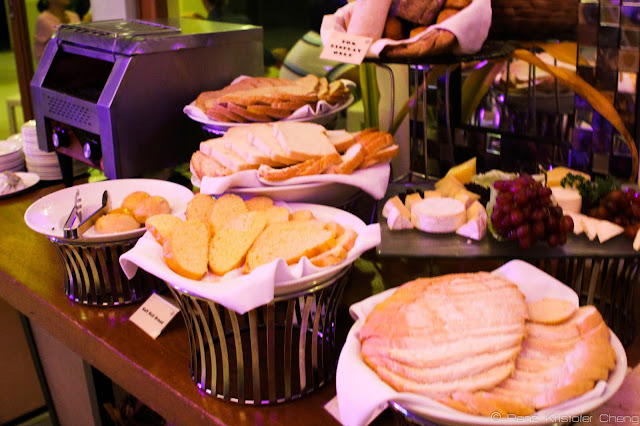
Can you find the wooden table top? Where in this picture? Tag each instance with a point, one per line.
(156, 371)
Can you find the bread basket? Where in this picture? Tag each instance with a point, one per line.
(92, 274)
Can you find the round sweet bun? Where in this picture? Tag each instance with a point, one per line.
(151, 206)
(132, 200)
(393, 28)
(550, 311)
(113, 223)
(122, 210)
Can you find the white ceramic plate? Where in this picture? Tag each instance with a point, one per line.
(10, 147)
(353, 374)
(48, 215)
(28, 180)
(220, 127)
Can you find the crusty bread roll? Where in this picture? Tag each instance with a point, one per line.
(151, 206)
(115, 222)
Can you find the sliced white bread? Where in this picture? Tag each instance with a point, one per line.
(341, 139)
(290, 241)
(161, 226)
(229, 246)
(262, 137)
(186, 252)
(237, 140)
(228, 158)
(226, 208)
(205, 166)
(303, 140)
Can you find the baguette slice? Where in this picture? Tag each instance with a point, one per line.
(226, 208)
(161, 226)
(259, 203)
(229, 247)
(200, 207)
(350, 160)
(303, 141)
(186, 252)
(290, 241)
(382, 156)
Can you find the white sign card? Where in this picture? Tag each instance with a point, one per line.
(348, 48)
(154, 315)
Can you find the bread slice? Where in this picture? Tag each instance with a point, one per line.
(306, 168)
(186, 252)
(375, 141)
(200, 207)
(262, 137)
(345, 240)
(259, 203)
(228, 158)
(276, 214)
(302, 140)
(290, 241)
(341, 140)
(349, 161)
(226, 208)
(229, 246)
(550, 311)
(161, 226)
(237, 140)
(382, 156)
(205, 166)
(304, 214)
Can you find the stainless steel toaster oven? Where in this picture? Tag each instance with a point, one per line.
(111, 93)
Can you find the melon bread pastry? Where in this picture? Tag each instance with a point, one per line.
(261, 99)
(135, 208)
(469, 341)
(283, 150)
(233, 234)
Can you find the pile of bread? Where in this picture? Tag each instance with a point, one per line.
(285, 149)
(226, 234)
(133, 212)
(403, 19)
(264, 99)
(471, 342)
(448, 208)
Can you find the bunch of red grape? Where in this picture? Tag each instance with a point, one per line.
(524, 211)
(620, 207)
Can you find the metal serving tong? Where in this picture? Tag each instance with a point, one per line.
(74, 227)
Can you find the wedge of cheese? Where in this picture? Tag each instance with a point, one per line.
(410, 199)
(476, 225)
(555, 175)
(397, 214)
(463, 172)
(438, 215)
(607, 230)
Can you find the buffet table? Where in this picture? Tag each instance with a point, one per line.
(157, 371)
(154, 371)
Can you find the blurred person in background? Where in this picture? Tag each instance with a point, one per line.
(53, 13)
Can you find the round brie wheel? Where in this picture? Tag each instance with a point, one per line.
(438, 215)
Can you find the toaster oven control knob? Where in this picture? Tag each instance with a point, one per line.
(60, 138)
(91, 151)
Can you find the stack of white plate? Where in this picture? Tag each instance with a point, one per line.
(44, 163)
(11, 155)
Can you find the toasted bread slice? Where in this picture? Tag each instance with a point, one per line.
(226, 208)
(161, 226)
(229, 246)
(290, 241)
(200, 207)
(186, 252)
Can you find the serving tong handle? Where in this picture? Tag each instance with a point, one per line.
(73, 232)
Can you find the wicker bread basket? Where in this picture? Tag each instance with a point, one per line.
(534, 19)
